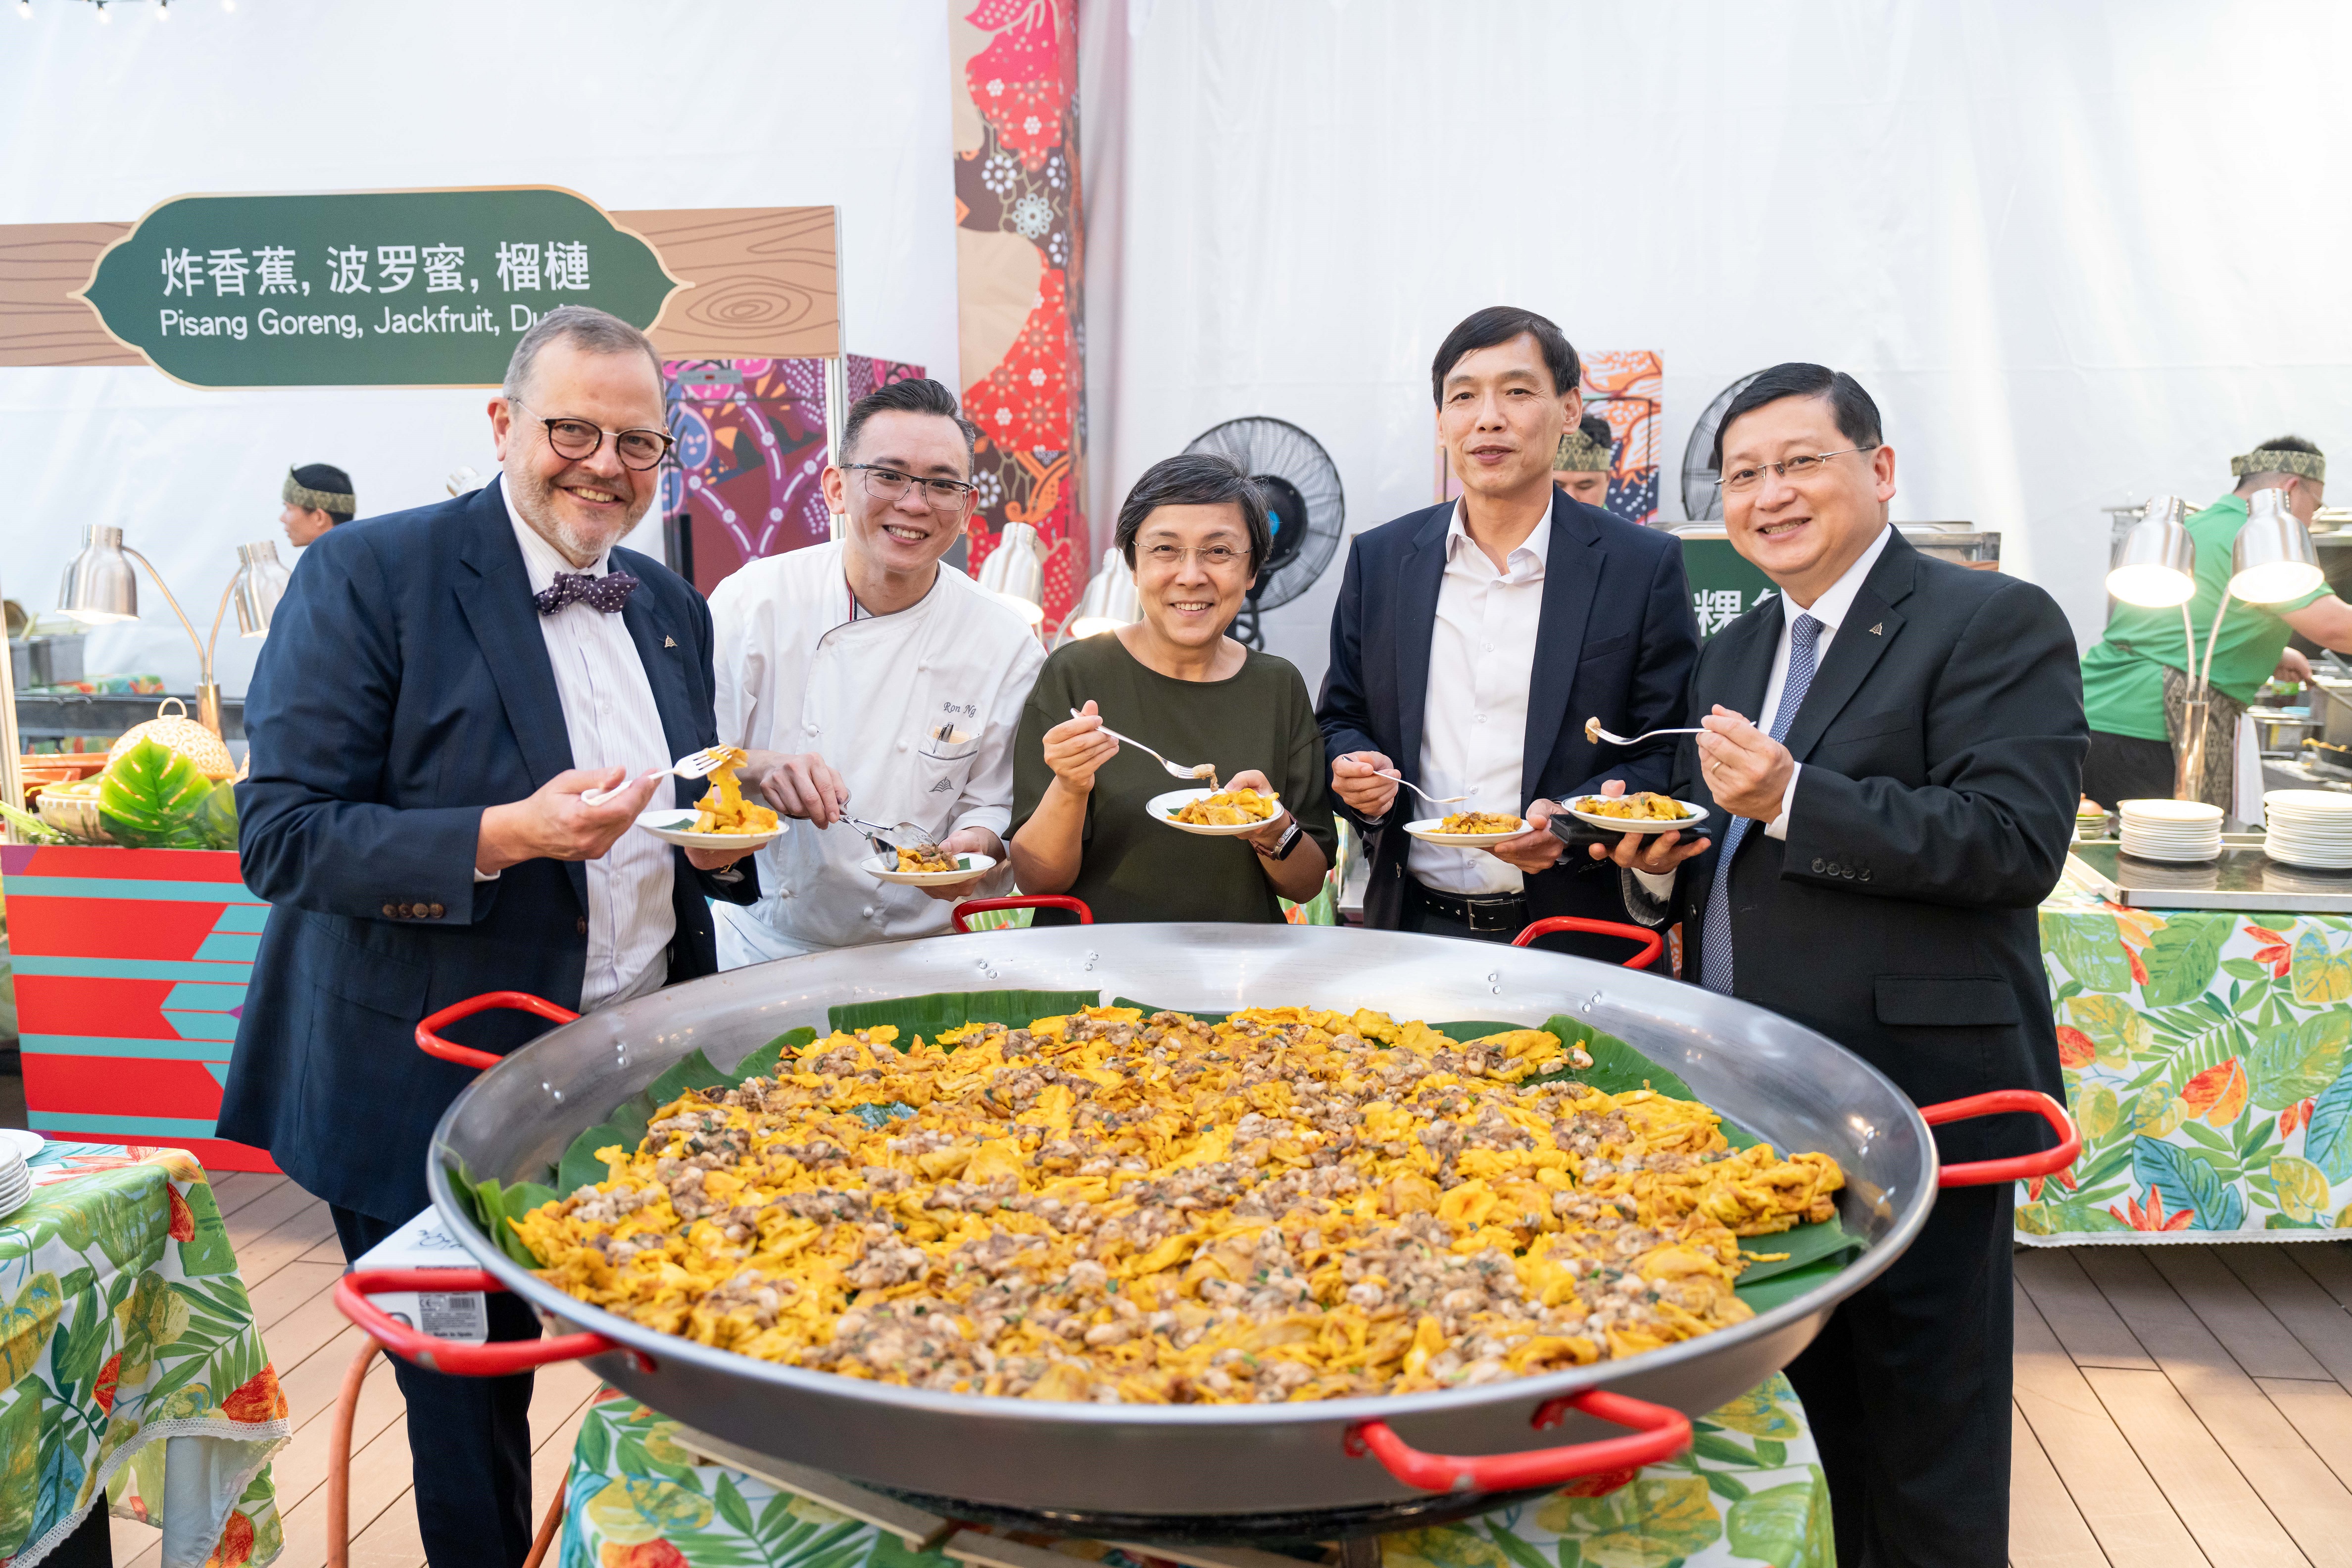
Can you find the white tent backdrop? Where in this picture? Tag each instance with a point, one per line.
(2077, 252)
(633, 103)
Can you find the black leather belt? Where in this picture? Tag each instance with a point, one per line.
(1496, 912)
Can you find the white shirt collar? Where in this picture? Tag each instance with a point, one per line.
(540, 560)
(1838, 598)
(1532, 555)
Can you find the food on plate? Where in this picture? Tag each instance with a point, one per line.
(1478, 822)
(1290, 1204)
(724, 809)
(1645, 806)
(927, 857)
(1226, 810)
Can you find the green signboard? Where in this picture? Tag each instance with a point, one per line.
(368, 288)
(1724, 586)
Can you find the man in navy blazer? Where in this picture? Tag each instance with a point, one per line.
(1473, 639)
(424, 721)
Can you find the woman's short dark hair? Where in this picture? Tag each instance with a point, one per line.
(915, 396)
(1195, 478)
(1499, 324)
(1856, 414)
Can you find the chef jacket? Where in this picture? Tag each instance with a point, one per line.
(915, 711)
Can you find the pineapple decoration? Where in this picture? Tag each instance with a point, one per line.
(178, 732)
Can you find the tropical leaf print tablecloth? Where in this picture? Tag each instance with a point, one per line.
(1750, 1493)
(132, 1363)
(2206, 1061)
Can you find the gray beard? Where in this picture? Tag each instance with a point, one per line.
(534, 502)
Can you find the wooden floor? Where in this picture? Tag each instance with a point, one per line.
(2176, 1407)
(286, 1249)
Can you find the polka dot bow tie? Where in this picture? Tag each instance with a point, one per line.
(607, 592)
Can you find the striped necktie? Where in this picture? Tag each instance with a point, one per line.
(1715, 931)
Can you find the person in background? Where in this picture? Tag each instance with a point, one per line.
(1193, 529)
(865, 676)
(1472, 640)
(1890, 817)
(318, 496)
(439, 691)
(1580, 468)
(2135, 678)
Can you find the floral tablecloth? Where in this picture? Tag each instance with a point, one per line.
(1749, 1492)
(2205, 1055)
(130, 1362)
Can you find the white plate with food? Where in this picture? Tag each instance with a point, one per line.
(891, 869)
(1640, 813)
(677, 824)
(1467, 829)
(1214, 814)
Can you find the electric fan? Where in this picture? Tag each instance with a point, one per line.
(1305, 507)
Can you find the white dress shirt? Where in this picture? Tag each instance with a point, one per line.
(1473, 725)
(915, 710)
(1830, 610)
(610, 716)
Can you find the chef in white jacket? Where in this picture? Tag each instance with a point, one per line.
(868, 679)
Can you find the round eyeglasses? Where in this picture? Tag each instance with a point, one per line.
(949, 497)
(578, 439)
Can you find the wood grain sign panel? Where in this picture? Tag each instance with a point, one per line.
(759, 282)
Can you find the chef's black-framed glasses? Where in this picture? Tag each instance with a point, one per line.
(1789, 469)
(946, 496)
(579, 439)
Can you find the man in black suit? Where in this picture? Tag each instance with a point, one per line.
(440, 690)
(1884, 841)
(1473, 639)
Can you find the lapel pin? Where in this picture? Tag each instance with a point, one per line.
(672, 642)
(1875, 627)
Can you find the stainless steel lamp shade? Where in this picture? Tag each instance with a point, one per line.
(1109, 601)
(2155, 564)
(2274, 559)
(99, 585)
(1015, 571)
(260, 584)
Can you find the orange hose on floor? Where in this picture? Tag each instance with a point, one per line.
(339, 1458)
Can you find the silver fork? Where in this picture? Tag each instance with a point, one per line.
(1433, 799)
(1205, 770)
(879, 836)
(698, 764)
(1594, 731)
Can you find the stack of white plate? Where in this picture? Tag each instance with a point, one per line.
(16, 1180)
(2309, 827)
(2176, 831)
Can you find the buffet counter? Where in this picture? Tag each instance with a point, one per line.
(2204, 1015)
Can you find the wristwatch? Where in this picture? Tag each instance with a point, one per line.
(1289, 842)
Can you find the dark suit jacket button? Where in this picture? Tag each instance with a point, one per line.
(1817, 864)
(1865, 873)
(581, 925)
(434, 911)
(389, 911)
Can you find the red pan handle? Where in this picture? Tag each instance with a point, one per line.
(432, 1045)
(2018, 1168)
(496, 1358)
(1024, 902)
(1660, 1434)
(1651, 942)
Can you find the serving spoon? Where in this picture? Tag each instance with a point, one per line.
(1205, 770)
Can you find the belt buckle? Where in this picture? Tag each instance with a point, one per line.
(1496, 915)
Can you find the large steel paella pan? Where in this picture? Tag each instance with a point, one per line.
(1373, 1459)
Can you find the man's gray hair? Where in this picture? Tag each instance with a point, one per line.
(584, 327)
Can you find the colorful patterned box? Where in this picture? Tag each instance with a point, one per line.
(130, 973)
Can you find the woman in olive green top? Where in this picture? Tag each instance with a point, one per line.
(1194, 530)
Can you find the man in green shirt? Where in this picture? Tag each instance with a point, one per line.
(2136, 678)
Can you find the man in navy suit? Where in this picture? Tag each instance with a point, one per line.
(1473, 639)
(440, 689)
